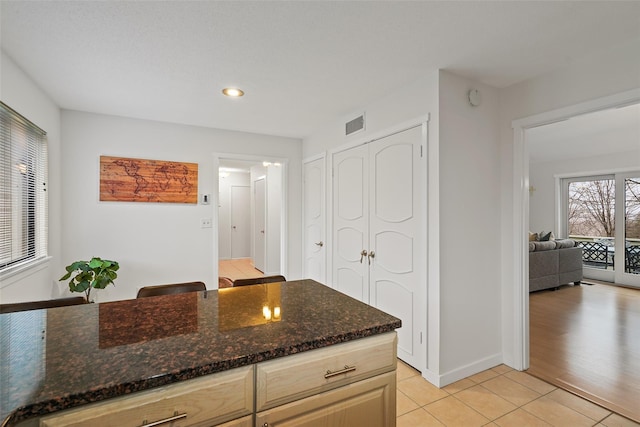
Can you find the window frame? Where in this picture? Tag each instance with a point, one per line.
(23, 182)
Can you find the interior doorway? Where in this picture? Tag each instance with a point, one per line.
(587, 190)
(520, 200)
(251, 202)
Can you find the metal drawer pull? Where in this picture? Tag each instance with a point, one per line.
(175, 417)
(346, 369)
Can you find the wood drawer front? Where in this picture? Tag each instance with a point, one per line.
(294, 377)
(208, 400)
(370, 402)
(240, 422)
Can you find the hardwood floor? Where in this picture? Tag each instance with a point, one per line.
(586, 340)
(238, 269)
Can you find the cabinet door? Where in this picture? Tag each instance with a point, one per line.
(370, 403)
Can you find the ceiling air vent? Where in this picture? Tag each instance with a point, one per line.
(354, 125)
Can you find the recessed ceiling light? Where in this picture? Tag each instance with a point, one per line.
(232, 92)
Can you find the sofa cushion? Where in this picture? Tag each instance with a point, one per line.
(544, 246)
(532, 246)
(565, 243)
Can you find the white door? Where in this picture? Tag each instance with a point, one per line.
(395, 224)
(378, 232)
(351, 222)
(259, 234)
(314, 221)
(240, 222)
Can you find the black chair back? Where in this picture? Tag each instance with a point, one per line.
(595, 254)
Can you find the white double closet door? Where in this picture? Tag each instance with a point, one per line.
(378, 238)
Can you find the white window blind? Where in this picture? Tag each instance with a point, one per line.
(23, 190)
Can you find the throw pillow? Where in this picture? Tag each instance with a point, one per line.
(546, 237)
(533, 237)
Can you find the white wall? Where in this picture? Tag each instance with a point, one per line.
(405, 103)
(606, 73)
(19, 92)
(224, 210)
(542, 202)
(469, 227)
(274, 218)
(156, 243)
(464, 304)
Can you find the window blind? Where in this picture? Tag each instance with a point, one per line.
(23, 190)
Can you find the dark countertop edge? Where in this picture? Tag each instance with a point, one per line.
(92, 396)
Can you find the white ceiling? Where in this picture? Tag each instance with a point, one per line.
(301, 63)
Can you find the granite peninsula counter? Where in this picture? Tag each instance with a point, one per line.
(61, 358)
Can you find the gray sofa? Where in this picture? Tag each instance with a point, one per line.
(554, 263)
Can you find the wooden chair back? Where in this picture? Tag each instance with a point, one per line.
(171, 289)
(259, 280)
(36, 305)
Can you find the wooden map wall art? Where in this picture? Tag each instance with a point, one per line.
(140, 180)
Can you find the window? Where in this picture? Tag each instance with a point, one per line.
(602, 213)
(23, 190)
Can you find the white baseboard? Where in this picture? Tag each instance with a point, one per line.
(441, 380)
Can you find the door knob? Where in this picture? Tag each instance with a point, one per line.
(320, 244)
(362, 255)
(372, 254)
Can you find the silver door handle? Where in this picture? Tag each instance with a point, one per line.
(362, 255)
(372, 254)
(320, 244)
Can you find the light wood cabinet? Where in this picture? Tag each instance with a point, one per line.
(350, 384)
(343, 385)
(370, 402)
(240, 422)
(295, 377)
(204, 401)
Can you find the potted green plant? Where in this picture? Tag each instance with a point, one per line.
(86, 275)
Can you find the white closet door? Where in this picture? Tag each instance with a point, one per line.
(240, 222)
(351, 222)
(314, 221)
(395, 224)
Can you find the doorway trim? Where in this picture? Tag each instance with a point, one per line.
(520, 195)
(284, 204)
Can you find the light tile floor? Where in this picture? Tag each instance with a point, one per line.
(499, 396)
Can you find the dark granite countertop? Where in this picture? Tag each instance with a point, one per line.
(64, 357)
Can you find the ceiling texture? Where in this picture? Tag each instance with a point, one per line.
(302, 64)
